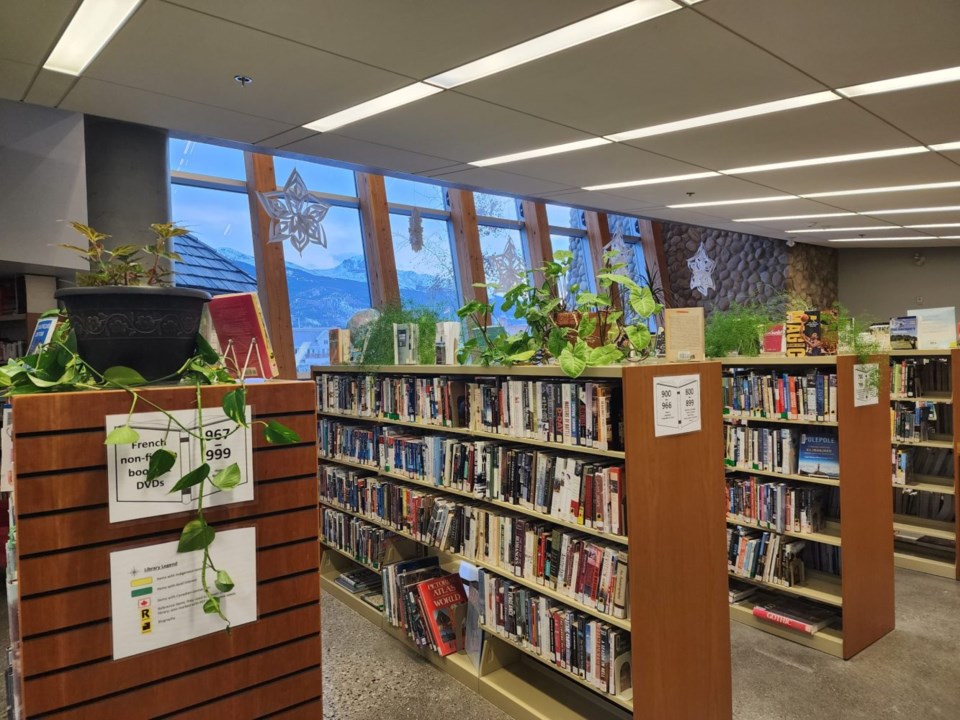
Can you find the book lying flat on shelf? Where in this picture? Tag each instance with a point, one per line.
(373, 598)
(739, 590)
(795, 613)
(357, 581)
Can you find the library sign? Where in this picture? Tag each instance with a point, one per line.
(676, 404)
(132, 496)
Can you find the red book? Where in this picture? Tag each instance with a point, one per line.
(773, 340)
(796, 614)
(242, 335)
(445, 606)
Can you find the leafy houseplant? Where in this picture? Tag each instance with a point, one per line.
(124, 311)
(739, 329)
(57, 367)
(377, 338)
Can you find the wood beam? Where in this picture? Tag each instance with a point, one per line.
(271, 269)
(537, 229)
(598, 237)
(651, 240)
(468, 256)
(377, 240)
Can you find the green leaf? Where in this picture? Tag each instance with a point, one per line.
(196, 535)
(235, 405)
(279, 434)
(223, 582)
(642, 302)
(227, 478)
(212, 606)
(638, 335)
(194, 477)
(521, 356)
(120, 375)
(123, 435)
(587, 327)
(562, 255)
(55, 312)
(573, 360)
(161, 461)
(604, 355)
(40, 382)
(556, 342)
(206, 351)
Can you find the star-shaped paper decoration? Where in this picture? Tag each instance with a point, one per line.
(507, 267)
(701, 267)
(295, 214)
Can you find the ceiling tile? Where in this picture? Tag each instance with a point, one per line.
(833, 128)
(123, 103)
(928, 114)
(291, 82)
(372, 156)
(49, 88)
(906, 170)
(846, 43)
(29, 29)
(594, 200)
(455, 126)
(491, 179)
(434, 36)
(286, 137)
(673, 67)
(14, 79)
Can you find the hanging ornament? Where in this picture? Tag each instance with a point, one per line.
(416, 230)
(295, 214)
(617, 248)
(508, 267)
(701, 267)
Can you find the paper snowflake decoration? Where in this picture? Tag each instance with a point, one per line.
(701, 267)
(507, 267)
(295, 214)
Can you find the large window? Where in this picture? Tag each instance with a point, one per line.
(568, 232)
(319, 178)
(219, 219)
(625, 231)
(187, 156)
(417, 194)
(425, 265)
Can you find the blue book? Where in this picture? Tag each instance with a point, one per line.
(819, 455)
(42, 334)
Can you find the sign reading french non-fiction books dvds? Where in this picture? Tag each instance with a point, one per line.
(676, 404)
(157, 596)
(133, 496)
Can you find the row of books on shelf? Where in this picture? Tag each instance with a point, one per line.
(808, 396)
(924, 505)
(906, 463)
(588, 492)
(427, 602)
(576, 566)
(570, 640)
(919, 377)
(797, 614)
(777, 559)
(781, 507)
(581, 413)
(10, 349)
(920, 421)
(365, 543)
(783, 450)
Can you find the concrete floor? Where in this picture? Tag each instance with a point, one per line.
(912, 673)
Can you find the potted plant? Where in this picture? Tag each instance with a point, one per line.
(739, 329)
(125, 312)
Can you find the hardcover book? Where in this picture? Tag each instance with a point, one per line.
(795, 613)
(812, 333)
(774, 340)
(903, 333)
(42, 334)
(794, 343)
(445, 608)
(819, 455)
(242, 335)
(339, 346)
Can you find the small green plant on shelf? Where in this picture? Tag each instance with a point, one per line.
(56, 367)
(375, 342)
(125, 264)
(739, 329)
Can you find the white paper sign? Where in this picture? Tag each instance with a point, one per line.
(132, 496)
(676, 404)
(866, 390)
(157, 599)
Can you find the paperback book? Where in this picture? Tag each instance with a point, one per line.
(819, 455)
(903, 333)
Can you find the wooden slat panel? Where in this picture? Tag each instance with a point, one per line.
(537, 228)
(468, 257)
(171, 695)
(81, 684)
(678, 578)
(866, 511)
(651, 239)
(93, 642)
(78, 410)
(48, 533)
(598, 237)
(307, 711)
(377, 240)
(256, 703)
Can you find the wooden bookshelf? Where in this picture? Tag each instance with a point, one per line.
(908, 554)
(864, 592)
(681, 669)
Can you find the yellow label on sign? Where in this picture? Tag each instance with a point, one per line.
(140, 582)
(146, 625)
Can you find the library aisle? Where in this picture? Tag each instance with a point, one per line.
(772, 679)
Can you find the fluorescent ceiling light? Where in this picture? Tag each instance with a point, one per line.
(932, 225)
(796, 217)
(946, 146)
(541, 152)
(886, 239)
(618, 18)
(890, 188)
(746, 201)
(90, 29)
(377, 105)
(727, 116)
(845, 229)
(935, 77)
(939, 208)
(949, 237)
(912, 150)
(654, 181)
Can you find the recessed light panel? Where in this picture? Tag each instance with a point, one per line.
(746, 201)
(654, 181)
(377, 105)
(91, 28)
(935, 77)
(541, 152)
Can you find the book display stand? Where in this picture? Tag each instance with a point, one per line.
(676, 622)
(853, 546)
(923, 459)
(62, 616)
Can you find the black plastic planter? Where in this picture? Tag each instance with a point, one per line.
(152, 330)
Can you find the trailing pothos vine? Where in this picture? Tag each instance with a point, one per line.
(56, 367)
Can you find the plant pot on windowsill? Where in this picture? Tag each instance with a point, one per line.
(150, 329)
